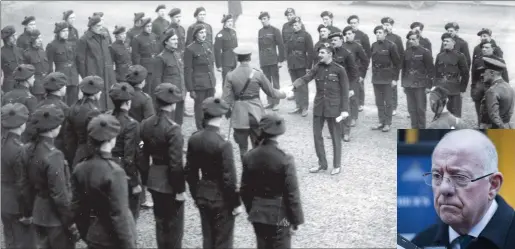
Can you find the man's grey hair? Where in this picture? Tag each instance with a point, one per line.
(482, 144)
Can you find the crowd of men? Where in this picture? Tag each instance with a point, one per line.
(90, 123)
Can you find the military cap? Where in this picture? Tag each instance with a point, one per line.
(272, 124)
(161, 6)
(118, 30)
(378, 27)
(242, 50)
(34, 34)
(103, 127)
(336, 34)
(54, 81)
(493, 64)
(168, 93)
(167, 34)
(198, 10)
(93, 20)
(174, 11)
(352, 17)
(387, 20)
(438, 93)
(91, 85)
(215, 107)
(226, 17)
(136, 74)
(296, 19)
(198, 28)
(146, 21)
(14, 115)
(138, 16)
(121, 91)
(27, 20)
(484, 31)
(288, 11)
(263, 14)
(59, 26)
(7, 31)
(23, 72)
(100, 14)
(453, 25)
(447, 35)
(347, 28)
(411, 32)
(46, 118)
(417, 24)
(327, 47)
(67, 14)
(327, 13)
(320, 27)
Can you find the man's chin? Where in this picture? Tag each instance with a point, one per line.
(449, 214)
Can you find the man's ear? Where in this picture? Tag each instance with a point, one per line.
(496, 181)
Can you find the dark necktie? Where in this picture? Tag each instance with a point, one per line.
(464, 241)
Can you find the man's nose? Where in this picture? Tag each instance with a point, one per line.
(447, 187)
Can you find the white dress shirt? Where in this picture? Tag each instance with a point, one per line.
(478, 228)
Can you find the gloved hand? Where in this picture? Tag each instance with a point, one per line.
(228, 114)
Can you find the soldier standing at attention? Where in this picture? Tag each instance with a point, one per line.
(498, 103)
(23, 41)
(385, 75)
(200, 15)
(361, 38)
(36, 56)
(144, 48)
(327, 20)
(163, 141)
(73, 33)
(331, 102)
(215, 194)
(443, 119)
(16, 233)
(136, 29)
(300, 55)
(120, 53)
(24, 77)
(417, 76)
(460, 45)
(397, 40)
(287, 29)
(169, 68)
(271, 55)
(100, 191)
(241, 92)
(175, 17)
(61, 53)
(424, 42)
(160, 24)
(451, 72)
(12, 56)
(269, 188)
(199, 71)
(45, 182)
(226, 40)
(486, 37)
(126, 147)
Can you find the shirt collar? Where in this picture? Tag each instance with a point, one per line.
(479, 227)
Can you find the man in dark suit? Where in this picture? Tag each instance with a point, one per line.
(472, 214)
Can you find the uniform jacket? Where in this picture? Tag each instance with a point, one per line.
(299, 50)
(94, 58)
(225, 41)
(199, 66)
(499, 233)
(447, 121)
(141, 105)
(45, 183)
(11, 172)
(451, 71)
(397, 40)
(287, 31)
(99, 191)
(59, 140)
(463, 47)
(332, 84)
(497, 104)
(477, 50)
(62, 54)
(144, 48)
(359, 55)
(21, 94)
(163, 141)
(169, 68)
(362, 38)
(347, 60)
(133, 32)
(12, 56)
(386, 62)
(424, 42)
(181, 35)
(251, 103)
(477, 87)
(159, 26)
(23, 40)
(37, 58)
(218, 181)
(209, 33)
(73, 36)
(270, 45)
(121, 56)
(269, 187)
(417, 67)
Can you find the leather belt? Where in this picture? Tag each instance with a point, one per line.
(246, 97)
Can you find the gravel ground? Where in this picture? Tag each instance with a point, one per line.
(355, 209)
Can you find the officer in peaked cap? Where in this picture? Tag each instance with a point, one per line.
(141, 104)
(210, 144)
(23, 40)
(262, 194)
(163, 141)
(24, 77)
(12, 55)
(14, 118)
(102, 173)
